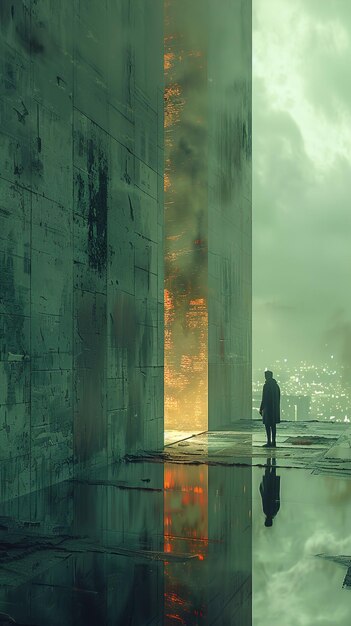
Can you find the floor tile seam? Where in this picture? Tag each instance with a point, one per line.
(173, 443)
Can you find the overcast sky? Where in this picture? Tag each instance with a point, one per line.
(301, 180)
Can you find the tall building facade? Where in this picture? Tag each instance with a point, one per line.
(81, 236)
(229, 213)
(82, 228)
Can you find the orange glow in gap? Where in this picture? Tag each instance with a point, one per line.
(186, 314)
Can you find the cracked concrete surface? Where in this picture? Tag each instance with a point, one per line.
(320, 447)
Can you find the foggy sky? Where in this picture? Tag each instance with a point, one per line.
(301, 181)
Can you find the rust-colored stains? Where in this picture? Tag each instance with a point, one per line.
(186, 378)
(167, 182)
(173, 104)
(185, 187)
(168, 60)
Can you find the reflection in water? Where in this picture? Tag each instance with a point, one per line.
(186, 531)
(108, 569)
(289, 580)
(208, 515)
(141, 544)
(270, 492)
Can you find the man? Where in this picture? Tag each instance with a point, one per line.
(270, 408)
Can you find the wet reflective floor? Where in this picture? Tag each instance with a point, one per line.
(291, 583)
(143, 543)
(194, 541)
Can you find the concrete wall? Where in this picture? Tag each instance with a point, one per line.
(81, 236)
(229, 212)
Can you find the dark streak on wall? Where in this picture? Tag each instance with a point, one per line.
(13, 326)
(97, 216)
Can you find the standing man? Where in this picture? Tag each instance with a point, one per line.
(270, 408)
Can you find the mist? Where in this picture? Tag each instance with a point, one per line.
(301, 174)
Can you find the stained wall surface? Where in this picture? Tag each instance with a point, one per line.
(229, 212)
(81, 236)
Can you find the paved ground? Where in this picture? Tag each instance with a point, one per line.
(316, 446)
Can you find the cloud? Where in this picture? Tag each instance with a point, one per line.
(301, 174)
(292, 586)
(300, 593)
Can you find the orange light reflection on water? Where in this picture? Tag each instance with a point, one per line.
(185, 531)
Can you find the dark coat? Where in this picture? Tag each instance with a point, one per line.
(270, 405)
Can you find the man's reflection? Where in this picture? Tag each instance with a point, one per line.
(270, 492)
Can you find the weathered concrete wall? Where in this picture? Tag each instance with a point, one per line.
(229, 213)
(81, 236)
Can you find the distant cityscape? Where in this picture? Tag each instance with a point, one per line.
(309, 392)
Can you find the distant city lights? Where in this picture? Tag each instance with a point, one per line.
(309, 391)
